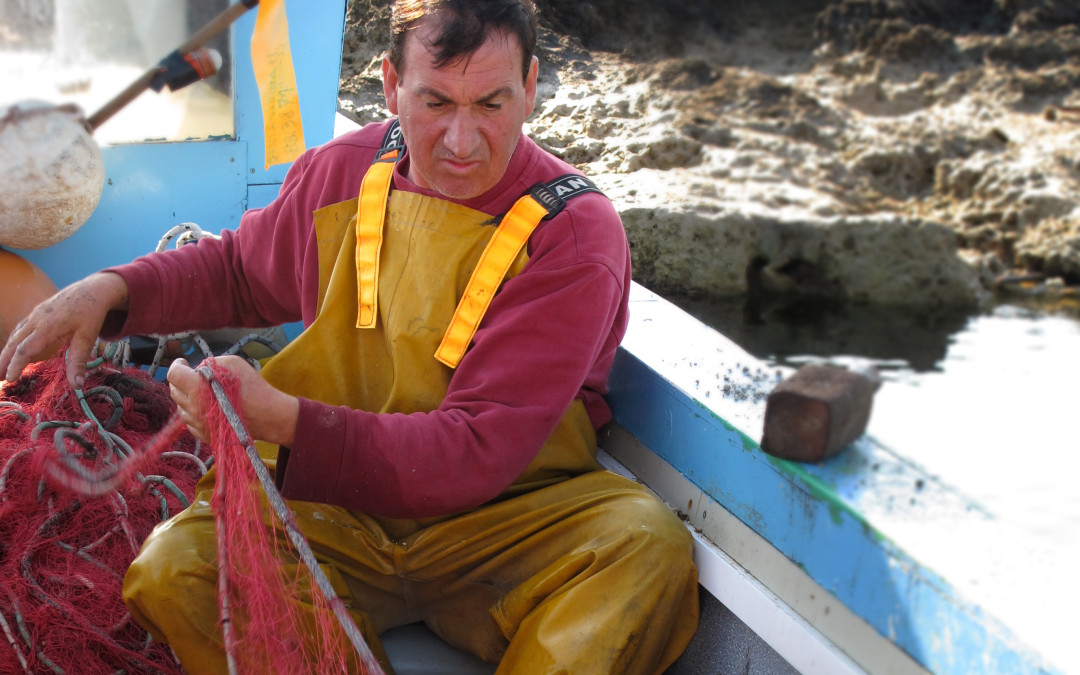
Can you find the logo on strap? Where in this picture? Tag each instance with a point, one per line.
(552, 196)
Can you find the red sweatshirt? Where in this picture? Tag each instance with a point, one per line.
(550, 333)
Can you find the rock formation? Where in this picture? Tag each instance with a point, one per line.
(889, 152)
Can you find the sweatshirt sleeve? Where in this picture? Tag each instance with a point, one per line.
(549, 336)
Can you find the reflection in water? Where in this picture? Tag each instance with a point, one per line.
(962, 396)
(775, 331)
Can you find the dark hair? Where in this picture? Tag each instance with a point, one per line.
(464, 26)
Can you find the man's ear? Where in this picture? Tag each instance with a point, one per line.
(530, 85)
(390, 84)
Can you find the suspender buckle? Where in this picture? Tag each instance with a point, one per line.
(393, 140)
(391, 155)
(544, 196)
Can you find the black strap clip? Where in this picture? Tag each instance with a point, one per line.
(392, 140)
(552, 196)
(548, 199)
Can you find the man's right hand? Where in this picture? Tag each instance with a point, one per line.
(73, 317)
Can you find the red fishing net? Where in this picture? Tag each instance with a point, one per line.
(62, 553)
(85, 475)
(261, 582)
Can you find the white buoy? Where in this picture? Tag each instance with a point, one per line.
(51, 174)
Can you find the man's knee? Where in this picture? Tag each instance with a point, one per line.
(666, 534)
(173, 580)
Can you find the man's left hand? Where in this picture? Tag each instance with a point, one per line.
(269, 414)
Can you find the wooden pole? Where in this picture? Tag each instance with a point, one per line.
(200, 38)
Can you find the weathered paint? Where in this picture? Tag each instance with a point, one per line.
(819, 490)
(809, 512)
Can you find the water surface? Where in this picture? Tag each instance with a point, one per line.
(985, 403)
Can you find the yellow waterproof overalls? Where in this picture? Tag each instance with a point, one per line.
(573, 570)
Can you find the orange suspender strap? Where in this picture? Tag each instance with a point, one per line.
(495, 261)
(370, 215)
(542, 202)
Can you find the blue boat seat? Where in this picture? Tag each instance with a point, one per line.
(722, 644)
(415, 650)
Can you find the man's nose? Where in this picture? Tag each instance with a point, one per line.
(462, 133)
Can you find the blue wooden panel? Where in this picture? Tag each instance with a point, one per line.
(148, 189)
(801, 511)
(261, 195)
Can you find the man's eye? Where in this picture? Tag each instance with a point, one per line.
(492, 107)
(435, 105)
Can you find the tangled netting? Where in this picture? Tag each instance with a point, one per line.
(87, 474)
(76, 502)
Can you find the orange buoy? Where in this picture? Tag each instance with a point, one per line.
(22, 286)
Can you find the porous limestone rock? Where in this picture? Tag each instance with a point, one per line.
(890, 152)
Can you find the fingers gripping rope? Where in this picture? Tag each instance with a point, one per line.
(288, 521)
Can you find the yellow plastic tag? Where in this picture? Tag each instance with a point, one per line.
(271, 59)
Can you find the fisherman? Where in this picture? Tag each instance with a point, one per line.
(457, 487)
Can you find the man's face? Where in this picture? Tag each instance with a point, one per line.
(462, 121)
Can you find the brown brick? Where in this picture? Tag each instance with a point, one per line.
(817, 412)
